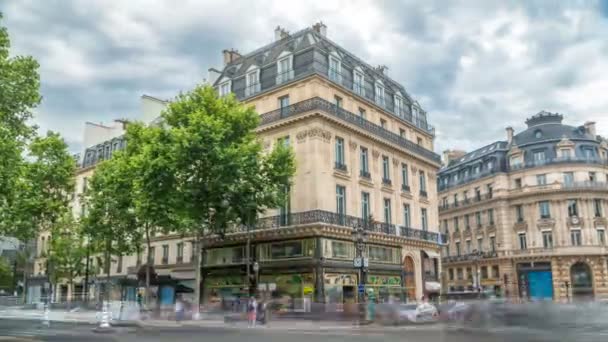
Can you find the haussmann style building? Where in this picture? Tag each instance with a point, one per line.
(526, 217)
(365, 164)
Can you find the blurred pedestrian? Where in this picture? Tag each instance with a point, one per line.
(252, 308)
(179, 309)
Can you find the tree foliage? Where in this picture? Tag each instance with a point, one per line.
(222, 174)
(6, 274)
(68, 251)
(19, 94)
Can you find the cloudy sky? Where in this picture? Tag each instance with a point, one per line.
(475, 66)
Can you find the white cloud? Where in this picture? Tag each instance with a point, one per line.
(485, 65)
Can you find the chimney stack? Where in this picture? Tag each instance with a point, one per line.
(509, 134)
(320, 28)
(280, 33)
(230, 56)
(449, 155)
(590, 128)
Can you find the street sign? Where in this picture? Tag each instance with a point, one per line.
(308, 290)
(357, 262)
(365, 262)
(361, 288)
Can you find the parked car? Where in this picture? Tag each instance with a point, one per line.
(455, 311)
(406, 313)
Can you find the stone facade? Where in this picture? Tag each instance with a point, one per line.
(542, 209)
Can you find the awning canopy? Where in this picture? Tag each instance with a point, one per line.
(432, 254)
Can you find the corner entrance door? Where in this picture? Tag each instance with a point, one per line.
(540, 285)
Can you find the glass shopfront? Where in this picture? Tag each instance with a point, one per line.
(385, 288)
(221, 292)
(286, 250)
(288, 291)
(340, 288)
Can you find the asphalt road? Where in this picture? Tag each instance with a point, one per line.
(22, 330)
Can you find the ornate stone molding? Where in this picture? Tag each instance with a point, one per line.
(353, 145)
(565, 142)
(574, 222)
(600, 222)
(519, 226)
(414, 169)
(545, 224)
(375, 154)
(314, 133)
(395, 162)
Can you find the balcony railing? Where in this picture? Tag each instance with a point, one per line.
(319, 104)
(365, 174)
(387, 181)
(423, 194)
(327, 217)
(465, 203)
(340, 166)
(471, 257)
(405, 188)
(537, 163)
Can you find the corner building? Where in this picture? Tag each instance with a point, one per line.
(526, 217)
(363, 150)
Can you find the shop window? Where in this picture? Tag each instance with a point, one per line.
(224, 256)
(459, 274)
(495, 272)
(336, 249)
(287, 249)
(484, 272)
(383, 254)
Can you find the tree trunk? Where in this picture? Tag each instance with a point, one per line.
(197, 282)
(148, 265)
(24, 291)
(70, 292)
(108, 266)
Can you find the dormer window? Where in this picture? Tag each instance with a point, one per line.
(538, 134)
(285, 68)
(398, 106)
(335, 68)
(358, 82)
(379, 94)
(225, 88)
(252, 81)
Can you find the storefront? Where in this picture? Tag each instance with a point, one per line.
(385, 288)
(222, 292)
(535, 280)
(289, 291)
(340, 288)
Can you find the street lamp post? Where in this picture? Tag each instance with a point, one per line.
(360, 262)
(256, 272)
(477, 277)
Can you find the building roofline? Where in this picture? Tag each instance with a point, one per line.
(149, 97)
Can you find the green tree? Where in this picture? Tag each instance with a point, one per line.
(19, 94)
(6, 275)
(68, 252)
(110, 219)
(150, 167)
(44, 188)
(223, 176)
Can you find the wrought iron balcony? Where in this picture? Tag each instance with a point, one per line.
(327, 217)
(423, 193)
(387, 181)
(405, 188)
(471, 256)
(340, 167)
(365, 174)
(319, 104)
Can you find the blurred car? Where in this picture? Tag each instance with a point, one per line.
(455, 311)
(406, 313)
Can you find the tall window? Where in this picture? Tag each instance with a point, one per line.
(364, 162)
(422, 177)
(253, 83)
(407, 219)
(152, 252)
(445, 226)
(568, 178)
(601, 237)
(541, 179)
(480, 244)
(491, 216)
(477, 194)
(575, 237)
(119, 264)
(469, 247)
(165, 259)
(478, 219)
(383, 123)
(519, 213)
(456, 228)
(455, 200)
(597, 207)
(493, 244)
(335, 69)
(458, 248)
(359, 83)
(285, 70)
(424, 219)
(362, 114)
(338, 101)
(385, 170)
(544, 208)
(365, 205)
(180, 252)
(387, 210)
(572, 208)
(539, 157)
(285, 209)
(405, 183)
(547, 239)
(341, 202)
(284, 104)
(588, 153)
(340, 154)
(402, 133)
(566, 154)
(225, 88)
(380, 94)
(467, 224)
(398, 105)
(490, 191)
(522, 241)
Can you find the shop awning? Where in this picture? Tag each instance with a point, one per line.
(432, 254)
(432, 286)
